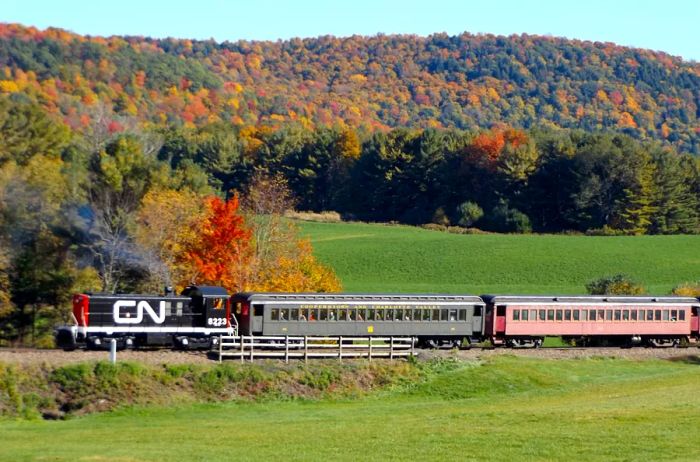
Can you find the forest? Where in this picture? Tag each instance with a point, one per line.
(129, 163)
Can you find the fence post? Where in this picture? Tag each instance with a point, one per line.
(252, 347)
(286, 348)
(306, 348)
(221, 349)
(113, 351)
(370, 349)
(391, 348)
(413, 346)
(340, 348)
(242, 349)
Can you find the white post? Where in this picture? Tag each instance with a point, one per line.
(113, 351)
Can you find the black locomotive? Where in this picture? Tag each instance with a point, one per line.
(194, 319)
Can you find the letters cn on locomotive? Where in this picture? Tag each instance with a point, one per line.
(191, 319)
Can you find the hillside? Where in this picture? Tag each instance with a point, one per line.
(466, 82)
(378, 258)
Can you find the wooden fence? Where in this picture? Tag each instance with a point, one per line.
(249, 348)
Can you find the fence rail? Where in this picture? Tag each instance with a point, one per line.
(248, 347)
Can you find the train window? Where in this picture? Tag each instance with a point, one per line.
(284, 315)
(542, 315)
(313, 315)
(516, 315)
(533, 315)
(462, 315)
(501, 310)
(274, 314)
(294, 314)
(560, 315)
(524, 315)
(593, 312)
(257, 310)
(371, 314)
(425, 315)
(550, 315)
(584, 315)
(577, 315)
(477, 311)
(650, 315)
(323, 314)
(657, 315)
(567, 315)
(436, 315)
(361, 315)
(633, 315)
(453, 315)
(399, 315)
(444, 316)
(674, 315)
(178, 307)
(681, 315)
(168, 308)
(665, 315)
(618, 314)
(625, 315)
(388, 314)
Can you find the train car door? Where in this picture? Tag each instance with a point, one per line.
(694, 319)
(500, 324)
(257, 310)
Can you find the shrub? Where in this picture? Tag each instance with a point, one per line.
(504, 219)
(618, 284)
(440, 217)
(687, 289)
(469, 213)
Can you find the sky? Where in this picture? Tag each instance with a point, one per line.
(672, 26)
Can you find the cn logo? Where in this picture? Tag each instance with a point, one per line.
(141, 306)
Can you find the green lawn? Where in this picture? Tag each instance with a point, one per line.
(376, 258)
(506, 409)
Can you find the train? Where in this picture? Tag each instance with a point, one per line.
(198, 316)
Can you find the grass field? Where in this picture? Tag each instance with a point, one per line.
(376, 258)
(506, 409)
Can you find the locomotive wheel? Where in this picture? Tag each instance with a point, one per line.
(537, 343)
(432, 343)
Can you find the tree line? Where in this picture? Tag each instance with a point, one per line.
(502, 179)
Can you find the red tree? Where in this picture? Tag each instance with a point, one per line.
(222, 251)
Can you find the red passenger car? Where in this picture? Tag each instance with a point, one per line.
(613, 320)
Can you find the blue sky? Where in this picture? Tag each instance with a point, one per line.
(672, 26)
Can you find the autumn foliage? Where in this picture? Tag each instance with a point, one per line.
(222, 251)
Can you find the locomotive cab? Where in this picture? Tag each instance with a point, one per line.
(212, 306)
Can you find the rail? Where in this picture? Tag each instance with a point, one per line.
(248, 347)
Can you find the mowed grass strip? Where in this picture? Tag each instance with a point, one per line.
(380, 258)
(507, 408)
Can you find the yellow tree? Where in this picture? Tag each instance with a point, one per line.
(166, 227)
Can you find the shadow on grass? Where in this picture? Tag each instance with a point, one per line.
(690, 359)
